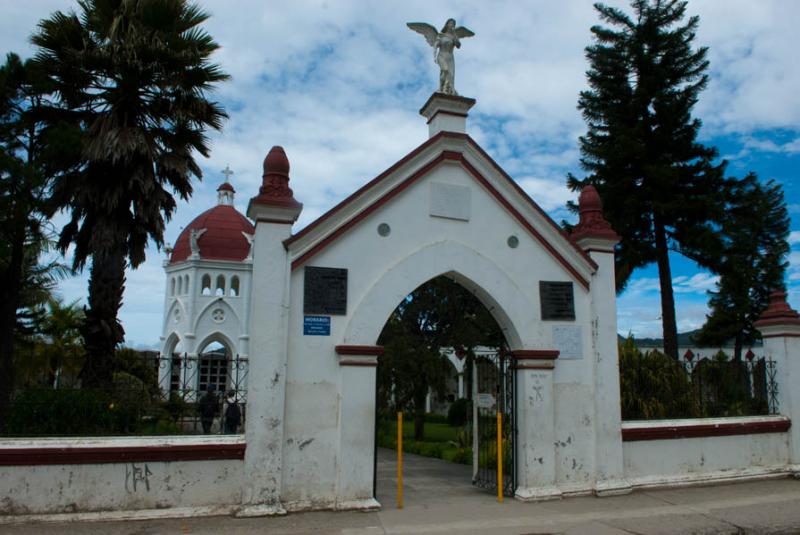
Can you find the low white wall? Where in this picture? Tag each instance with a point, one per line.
(697, 459)
(36, 489)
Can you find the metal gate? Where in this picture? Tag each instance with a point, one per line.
(493, 392)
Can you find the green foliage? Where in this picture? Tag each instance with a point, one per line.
(752, 265)
(433, 418)
(440, 313)
(654, 386)
(459, 412)
(660, 188)
(28, 153)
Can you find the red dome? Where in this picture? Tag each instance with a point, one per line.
(225, 186)
(222, 240)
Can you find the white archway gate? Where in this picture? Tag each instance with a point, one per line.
(321, 297)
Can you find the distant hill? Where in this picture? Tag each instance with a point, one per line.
(684, 340)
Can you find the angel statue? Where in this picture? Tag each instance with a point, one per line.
(443, 43)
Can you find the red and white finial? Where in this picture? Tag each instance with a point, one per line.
(275, 191)
(592, 224)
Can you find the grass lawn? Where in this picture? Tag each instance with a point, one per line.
(440, 441)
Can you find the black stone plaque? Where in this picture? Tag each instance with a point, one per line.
(558, 301)
(325, 291)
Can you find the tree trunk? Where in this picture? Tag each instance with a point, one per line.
(669, 326)
(737, 346)
(101, 330)
(8, 320)
(419, 414)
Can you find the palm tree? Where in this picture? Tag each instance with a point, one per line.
(133, 76)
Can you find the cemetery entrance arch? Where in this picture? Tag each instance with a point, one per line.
(322, 296)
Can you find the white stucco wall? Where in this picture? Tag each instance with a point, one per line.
(50, 489)
(381, 272)
(697, 460)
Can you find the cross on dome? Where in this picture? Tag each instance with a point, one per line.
(225, 191)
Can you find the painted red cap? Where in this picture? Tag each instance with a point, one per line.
(222, 240)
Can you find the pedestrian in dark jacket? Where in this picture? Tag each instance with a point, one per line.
(209, 408)
(233, 415)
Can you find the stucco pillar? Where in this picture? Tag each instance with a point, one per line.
(780, 330)
(357, 427)
(595, 236)
(446, 113)
(535, 440)
(274, 210)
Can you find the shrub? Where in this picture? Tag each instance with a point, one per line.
(459, 412)
(654, 386)
(433, 418)
(463, 456)
(44, 411)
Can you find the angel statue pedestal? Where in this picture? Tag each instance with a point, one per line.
(446, 113)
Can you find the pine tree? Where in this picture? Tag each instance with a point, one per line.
(659, 186)
(755, 228)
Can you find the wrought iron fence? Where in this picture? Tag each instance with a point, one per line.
(151, 394)
(723, 384)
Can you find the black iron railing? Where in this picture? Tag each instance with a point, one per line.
(151, 394)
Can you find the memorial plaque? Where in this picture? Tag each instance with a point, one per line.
(317, 325)
(558, 301)
(325, 291)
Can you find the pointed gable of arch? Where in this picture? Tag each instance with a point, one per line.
(445, 147)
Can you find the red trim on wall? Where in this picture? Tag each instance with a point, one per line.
(367, 211)
(453, 156)
(369, 185)
(367, 351)
(372, 183)
(535, 354)
(595, 250)
(781, 335)
(541, 365)
(445, 112)
(120, 454)
(366, 363)
(668, 432)
(524, 222)
(272, 220)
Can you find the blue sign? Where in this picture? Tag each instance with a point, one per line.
(317, 325)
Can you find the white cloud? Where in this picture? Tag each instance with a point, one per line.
(339, 86)
(794, 237)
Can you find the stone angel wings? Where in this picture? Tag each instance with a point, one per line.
(443, 43)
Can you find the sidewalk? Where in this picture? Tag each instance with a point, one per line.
(439, 499)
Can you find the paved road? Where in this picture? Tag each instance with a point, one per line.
(440, 499)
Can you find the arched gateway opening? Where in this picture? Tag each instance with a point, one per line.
(446, 366)
(322, 297)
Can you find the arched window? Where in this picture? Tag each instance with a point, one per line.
(220, 285)
(206, 284)
(186, 284)
(213, 370)
(180, 285)
(172, 286)
(234, 291)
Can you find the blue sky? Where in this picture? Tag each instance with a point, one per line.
(339, 85)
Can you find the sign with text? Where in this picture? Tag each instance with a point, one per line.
(557, 300)
(316, 325)
(325, 291)
(485, 401)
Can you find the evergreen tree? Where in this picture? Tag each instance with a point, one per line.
(133, 76)
(659, 186)
(30, 153)
(754, 231)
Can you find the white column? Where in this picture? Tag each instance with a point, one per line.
(355, 473)
(780, 330)
(461, 385)
(608, 460)
(535, 448)
(266, 380)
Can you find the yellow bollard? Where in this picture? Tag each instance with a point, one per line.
(500, 457)
(399, 460)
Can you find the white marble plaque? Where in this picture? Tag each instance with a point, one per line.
(568, 339)
(450, 201)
